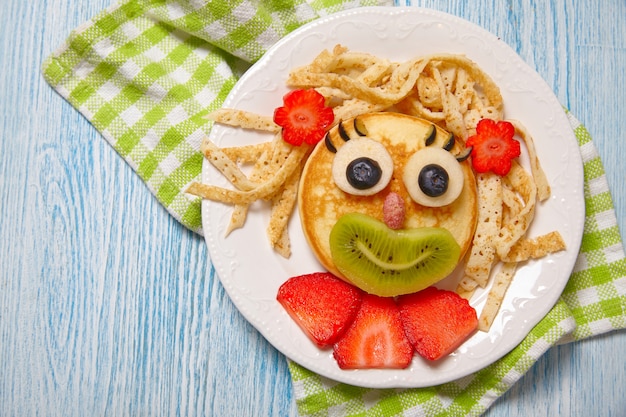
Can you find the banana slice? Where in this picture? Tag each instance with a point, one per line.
(433, 177)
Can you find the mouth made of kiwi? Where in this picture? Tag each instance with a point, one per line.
(388, 262)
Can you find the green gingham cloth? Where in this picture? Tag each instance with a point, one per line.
(144, 73)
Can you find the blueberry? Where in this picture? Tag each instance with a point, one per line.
(433, 180)
(363, 173)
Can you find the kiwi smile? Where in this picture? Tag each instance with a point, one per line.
(388, 262)
(365, 249)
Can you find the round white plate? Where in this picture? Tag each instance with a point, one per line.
(251, 272)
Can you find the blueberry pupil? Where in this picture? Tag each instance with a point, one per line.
(363, 173)
(433, 180)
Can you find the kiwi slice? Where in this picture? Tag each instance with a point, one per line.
(388, 262)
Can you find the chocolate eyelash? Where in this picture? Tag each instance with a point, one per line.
(359, 128)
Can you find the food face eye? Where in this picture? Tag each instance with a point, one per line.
(363, 173)
(362, 166)
(433, 180)
(433, 177)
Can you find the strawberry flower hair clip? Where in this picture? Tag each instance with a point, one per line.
(493, 147)
(304, 117)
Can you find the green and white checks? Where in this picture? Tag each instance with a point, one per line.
(145, 72)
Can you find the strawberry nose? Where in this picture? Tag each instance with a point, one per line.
(394, 211)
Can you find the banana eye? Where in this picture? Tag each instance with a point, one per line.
(362, 166)
(433, 177)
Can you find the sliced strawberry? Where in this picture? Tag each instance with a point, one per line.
(321, 304)
(493, 146)
(304, 117)
(376, 339)
(436, 321)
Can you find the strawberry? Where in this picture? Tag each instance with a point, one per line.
(436, 321)
(304, 117)
(493, 146)
(321, 304)
(376, 339)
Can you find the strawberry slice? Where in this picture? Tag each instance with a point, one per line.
(493, 146)
(376, 339)
(436, 321)
(304, 117)
(321, 304)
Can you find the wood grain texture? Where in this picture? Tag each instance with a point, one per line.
(102, 316)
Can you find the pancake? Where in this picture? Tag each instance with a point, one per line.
(321, 202)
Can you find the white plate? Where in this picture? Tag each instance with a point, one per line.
(251, 272)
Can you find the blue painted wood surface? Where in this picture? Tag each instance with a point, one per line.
(109, 307)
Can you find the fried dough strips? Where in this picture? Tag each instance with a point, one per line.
(448, 90)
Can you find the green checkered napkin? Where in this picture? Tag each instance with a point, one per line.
(145, 72)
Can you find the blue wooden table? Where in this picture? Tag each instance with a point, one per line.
(109, 307)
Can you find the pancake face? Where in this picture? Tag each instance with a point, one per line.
(321, 202)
